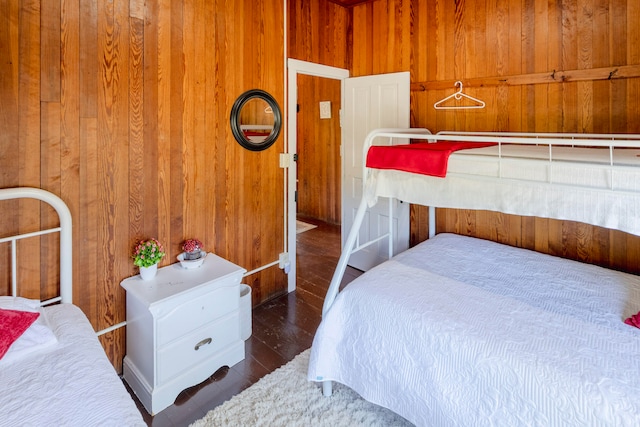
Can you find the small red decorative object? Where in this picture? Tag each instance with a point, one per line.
(191, 245)
(192, 249)
(633, 320)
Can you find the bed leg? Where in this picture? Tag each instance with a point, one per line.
(334, 286)
(327, 388)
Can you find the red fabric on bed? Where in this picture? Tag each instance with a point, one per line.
(13, 323)
(256, 133)
(426, 158)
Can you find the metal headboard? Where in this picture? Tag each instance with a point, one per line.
(65, 230)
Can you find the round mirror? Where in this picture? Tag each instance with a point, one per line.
(256, 120)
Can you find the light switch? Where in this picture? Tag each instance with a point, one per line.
(325, 109)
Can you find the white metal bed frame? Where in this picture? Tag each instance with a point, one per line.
(31, 386)
(353, 244)
(65, 230)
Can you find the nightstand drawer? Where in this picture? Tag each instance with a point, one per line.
(196, 347)
(190, 315)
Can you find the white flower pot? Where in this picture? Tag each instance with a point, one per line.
(148, 273)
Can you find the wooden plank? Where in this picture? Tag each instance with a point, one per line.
(555, 76)
(189, 173)
(175, 125)
(554, 61)
(9, 84)
(136, 131)
(86, 222)
(70, 145)
(381, 31)
(200, 134)
(515, 94)
(633, 57)
(213, 103)
(28, 145)
(113, 134)
(618, 55)
(136, 9)
(458, 62)
(88, 58)
(362, 35)
(115, 295)
(585, 61)
(569, 60)
(601, 57)
(540, 59)
(50, 177)
(319, 31)
(9, 137)
(50, 51)
(160, 200)
(151, 110)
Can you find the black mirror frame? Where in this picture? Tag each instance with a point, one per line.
(235, 120)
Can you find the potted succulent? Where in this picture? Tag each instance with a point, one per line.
(147, 255)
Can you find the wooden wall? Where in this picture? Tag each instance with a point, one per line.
(122, 107)
(499, 49)
(319, 31)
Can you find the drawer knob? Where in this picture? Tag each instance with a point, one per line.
(203, 342)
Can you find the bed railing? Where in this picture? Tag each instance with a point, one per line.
(65, 230)
(609, 141)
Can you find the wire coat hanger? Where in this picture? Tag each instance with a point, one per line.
(458, 96)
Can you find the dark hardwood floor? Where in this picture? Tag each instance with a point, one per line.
(281, 329)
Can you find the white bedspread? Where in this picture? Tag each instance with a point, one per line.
(461, 331)
(69, 384)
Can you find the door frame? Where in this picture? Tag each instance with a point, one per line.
(294, 68)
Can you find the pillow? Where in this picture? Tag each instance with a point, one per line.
(39, 335)
(19, 303)
(13, 323)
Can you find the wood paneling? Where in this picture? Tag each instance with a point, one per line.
(479, 40)
(319, 31)
(319, 183)
(122, 108)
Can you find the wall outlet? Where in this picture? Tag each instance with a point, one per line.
(325, 109)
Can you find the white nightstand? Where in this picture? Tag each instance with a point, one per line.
(182, 326)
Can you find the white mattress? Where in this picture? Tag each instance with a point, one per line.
(582, 178)
(69, 384)
(461, 331)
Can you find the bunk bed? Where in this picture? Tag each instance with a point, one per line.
(463, 331)
(56, 371)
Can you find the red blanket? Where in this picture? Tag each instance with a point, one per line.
(426, 158)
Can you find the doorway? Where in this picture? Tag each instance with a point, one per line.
(318, 148)
(308, 72)
(366, 103)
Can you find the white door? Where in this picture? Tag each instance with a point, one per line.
(371, 102)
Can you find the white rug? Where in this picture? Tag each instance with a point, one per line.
(302, 226)
(286, 398)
